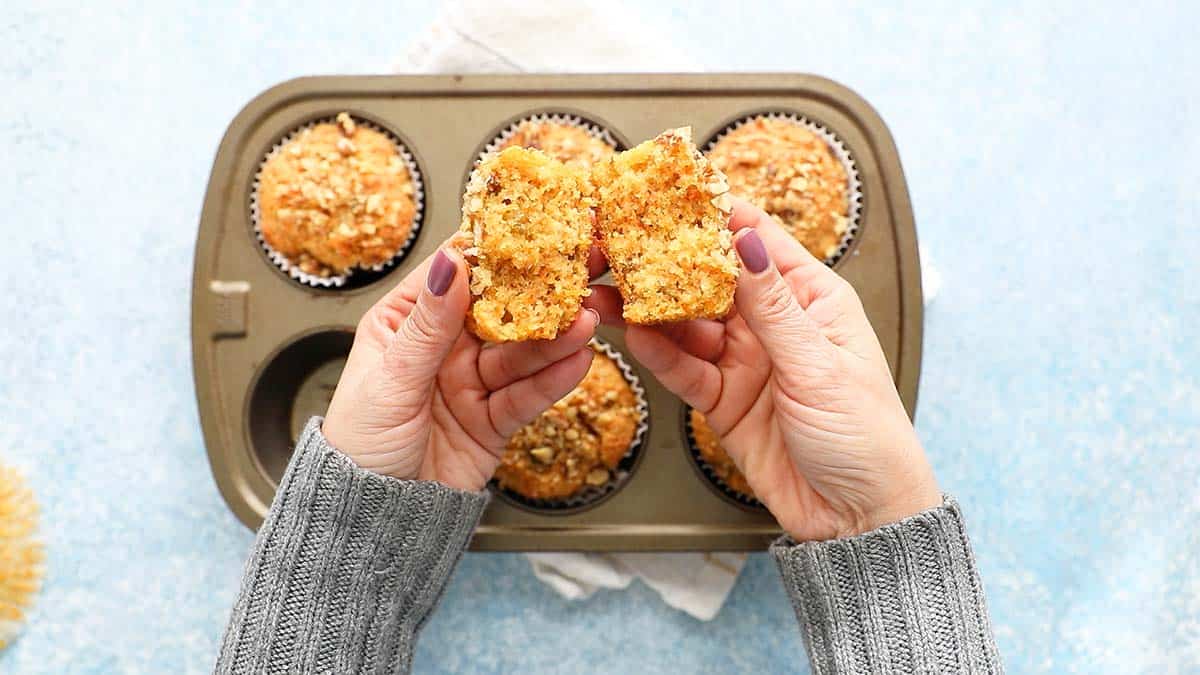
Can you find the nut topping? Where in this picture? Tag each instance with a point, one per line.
(346, 124)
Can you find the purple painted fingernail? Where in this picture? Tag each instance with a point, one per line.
(754, 254)
(441, 274)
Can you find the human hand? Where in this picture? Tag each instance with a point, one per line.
(797, 387)
(421, 398)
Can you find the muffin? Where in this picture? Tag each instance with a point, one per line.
(578, 442)
(526, 233)
(791, 173)
(705, 441)
(662, 223)
(568, 143)
(335, 197)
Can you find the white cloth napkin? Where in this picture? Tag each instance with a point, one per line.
(506, 36)
(510, 36)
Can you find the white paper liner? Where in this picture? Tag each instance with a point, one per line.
(594, 129)
(854, 196)
(336, 281)
(706, 470)
(592, 495)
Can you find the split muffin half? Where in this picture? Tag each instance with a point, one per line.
(526, 233)
(662, 223)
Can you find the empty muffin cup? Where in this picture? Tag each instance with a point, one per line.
(584, 448)
(293, 384)
(797, 170)
(337, 202)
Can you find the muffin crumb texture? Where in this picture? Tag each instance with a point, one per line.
(715, 456)
(567, 143)
(578, 442)
(662, 222)
(526, 233)
(335, 197)
(791, 173)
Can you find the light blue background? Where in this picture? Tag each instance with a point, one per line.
(1052, 157)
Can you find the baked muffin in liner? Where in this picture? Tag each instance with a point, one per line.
(593, 494)
(553, 134)
(358, 276)
(708, 471)
(854, 197)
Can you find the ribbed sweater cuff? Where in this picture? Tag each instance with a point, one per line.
(903, 598)
(346, 567)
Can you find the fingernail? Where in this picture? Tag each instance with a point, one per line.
(441, 274)
(753, 253)
(595, 316)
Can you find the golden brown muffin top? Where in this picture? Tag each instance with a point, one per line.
(663, 224)
(567, 143)
(335, 197)
(715, 456)
(578, 441)
(526, 234)
(791, 173)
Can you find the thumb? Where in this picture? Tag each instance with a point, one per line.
(416, 351)
(791, 338)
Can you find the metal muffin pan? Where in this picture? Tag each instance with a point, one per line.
(267, 350)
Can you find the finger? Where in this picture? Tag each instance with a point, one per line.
(503, 364)
(606, 300)
(744, 348)
(464, 393)
(378, 325)
(692, 379)
(416, 350)
(789, 255)
(597, 263)
(701, 338)
(399, 301)
(522, 401)
(842, 320)
(767, 303)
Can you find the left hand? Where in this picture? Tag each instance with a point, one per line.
(421, 398)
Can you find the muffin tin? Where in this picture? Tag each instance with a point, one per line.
(267, 349)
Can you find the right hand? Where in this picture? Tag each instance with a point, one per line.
(797, 387)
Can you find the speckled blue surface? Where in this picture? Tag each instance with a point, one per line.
(1052, 158)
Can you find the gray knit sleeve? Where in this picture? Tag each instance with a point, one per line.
(905, 598)
(346, 568)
